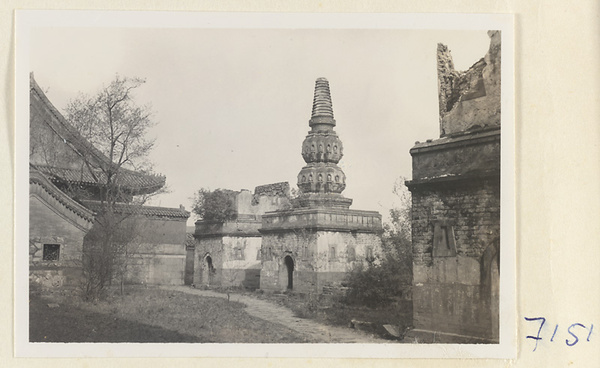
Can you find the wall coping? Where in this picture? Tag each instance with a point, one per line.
(446, 143)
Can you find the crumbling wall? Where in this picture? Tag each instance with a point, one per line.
(456, 207)
(469, 100)
(234, 246)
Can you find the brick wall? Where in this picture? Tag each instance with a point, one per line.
(53, 224)
(456, 205)
(157, 251)
(473, 211)
(448, 295)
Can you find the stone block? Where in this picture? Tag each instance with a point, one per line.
(468, 271)
(421, 273)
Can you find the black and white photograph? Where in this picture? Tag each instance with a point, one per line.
(265, 185)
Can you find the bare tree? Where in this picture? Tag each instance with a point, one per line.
(116, 127)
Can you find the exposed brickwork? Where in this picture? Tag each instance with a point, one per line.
(473, 210)
(456, 206)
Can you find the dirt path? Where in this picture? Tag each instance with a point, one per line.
(284, 316)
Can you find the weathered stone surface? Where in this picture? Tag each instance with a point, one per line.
(476, 154)
(313, 246)
(320, 258)
(470, 100)
(473, 209)
(322, 218)
(233, 247)
(456, 190)
(322, 149)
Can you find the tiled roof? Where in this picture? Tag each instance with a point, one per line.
(149, 211)
(134, 181)
(35, 177)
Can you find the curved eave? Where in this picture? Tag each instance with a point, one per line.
(134, 182)
(36, 177)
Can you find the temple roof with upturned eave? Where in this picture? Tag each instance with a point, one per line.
(68, 157)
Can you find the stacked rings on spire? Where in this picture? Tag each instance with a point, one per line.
(322, 110)
(322, 149)
(322, 100)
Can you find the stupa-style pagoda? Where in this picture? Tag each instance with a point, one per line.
(314, 245)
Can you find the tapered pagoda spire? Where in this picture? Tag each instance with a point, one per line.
(322, 149)
(322, 110)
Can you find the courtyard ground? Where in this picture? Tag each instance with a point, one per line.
(284, 316)
(150, 315)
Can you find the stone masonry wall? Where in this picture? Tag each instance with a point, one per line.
(447, 290)
(456, 206)
(235, 261)
(213, 248)
(473, 211)
(321, 258)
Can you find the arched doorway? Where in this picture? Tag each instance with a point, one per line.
(208, 270)
(289, 264)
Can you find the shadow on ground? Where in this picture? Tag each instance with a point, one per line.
(65, 323)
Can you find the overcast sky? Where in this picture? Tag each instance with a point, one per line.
(232, 106)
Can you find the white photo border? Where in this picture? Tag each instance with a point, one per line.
(27, 20)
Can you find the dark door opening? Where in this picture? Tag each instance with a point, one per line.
(289, 264)
(209, 270)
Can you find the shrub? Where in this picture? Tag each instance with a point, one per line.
(377, 284)
(217, 205)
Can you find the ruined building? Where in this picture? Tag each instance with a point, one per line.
(456, 207)
(313, 245)
(64, 177)
(228, 253)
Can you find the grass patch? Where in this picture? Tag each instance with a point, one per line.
(149, 315)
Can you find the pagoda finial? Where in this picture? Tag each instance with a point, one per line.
(322, 110)
(322, 181)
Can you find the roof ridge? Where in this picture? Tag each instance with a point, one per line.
(144, 210)
(83, 147)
